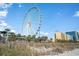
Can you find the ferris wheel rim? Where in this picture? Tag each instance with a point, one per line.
(26, 14)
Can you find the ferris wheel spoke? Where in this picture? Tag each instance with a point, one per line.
(30, 25)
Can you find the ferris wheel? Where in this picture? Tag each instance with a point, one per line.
(32, 22)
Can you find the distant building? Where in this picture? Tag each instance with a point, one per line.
(59, 36)
(74, 35)
(65, 37)
(68, 37)
(78, 35)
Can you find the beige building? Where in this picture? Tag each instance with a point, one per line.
(59, 36)
(62, 36)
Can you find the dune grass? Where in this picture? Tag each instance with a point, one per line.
(34, 48)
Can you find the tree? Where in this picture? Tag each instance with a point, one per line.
(43, 38)
(12, 36)
(33, 38)
(51, 39)
(18, 37)
(0, 37)
(29, 38)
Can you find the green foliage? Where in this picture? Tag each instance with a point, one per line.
(43, 38)
(0, 37)
(18, 37)
(12, 37)
(29, 38)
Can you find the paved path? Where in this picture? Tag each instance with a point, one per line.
(70, 53)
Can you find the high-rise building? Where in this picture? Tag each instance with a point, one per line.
(74, 35)
(59, 36)
(78, 36)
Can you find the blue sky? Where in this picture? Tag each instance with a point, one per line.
(56, 17)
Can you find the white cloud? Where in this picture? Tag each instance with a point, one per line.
(4, 9)
(4, 25)
(76, 13)
(44, 33)
(5, 5)
(3, 13)
(13, 30)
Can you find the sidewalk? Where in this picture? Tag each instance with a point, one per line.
(70, 53)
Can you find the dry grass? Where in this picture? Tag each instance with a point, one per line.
(23, 48)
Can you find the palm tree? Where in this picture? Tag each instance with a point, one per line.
(7, 32)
